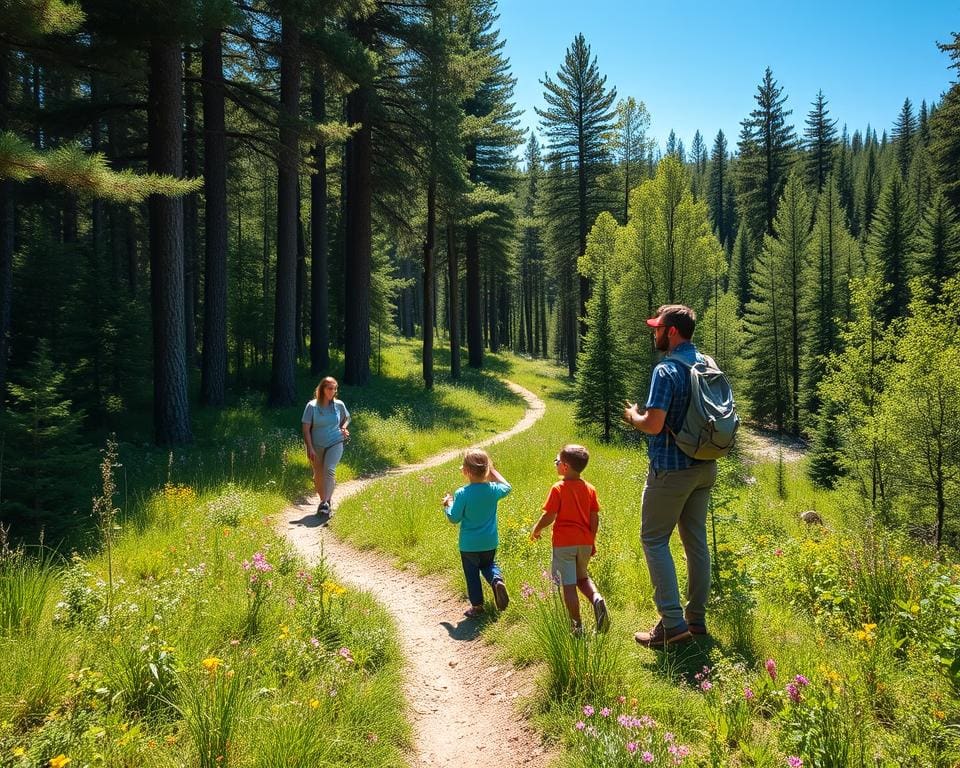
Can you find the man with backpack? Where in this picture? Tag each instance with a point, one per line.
(691, 420)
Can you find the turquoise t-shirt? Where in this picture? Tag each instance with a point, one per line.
(474, 507)
(326, 422)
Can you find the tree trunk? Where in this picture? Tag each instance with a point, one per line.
(453, 300)
(283, 390)
(319, 239)
(474, 287)
(429, 244)
(213, 376)
(301, 280)
(190, 217)
(359, 191)
(171, 410)
(7, 227)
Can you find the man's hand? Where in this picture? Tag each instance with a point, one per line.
(630, 412)
(535, 535)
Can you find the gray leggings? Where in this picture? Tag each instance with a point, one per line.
(325, 469)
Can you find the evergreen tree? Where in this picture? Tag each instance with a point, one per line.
(698, 156)
(766, 145)
(945, 130)
(741, 267)
(825, 467)
(890, 246)
(577, 119)
(937, 255)
(531, 267)
(775, 318)
(903, 134)
(718, 192)
(601, 377)
(43, 450)
(820, 140)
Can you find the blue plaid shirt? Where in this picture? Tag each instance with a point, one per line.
(670, 392)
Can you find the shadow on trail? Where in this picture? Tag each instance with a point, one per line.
(464, 630)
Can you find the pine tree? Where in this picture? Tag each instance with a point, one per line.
(937, 255)
(43, 450)
(775, 318)
(766, 145)
(741, 267)
(820, 140)
(890, 246)
(825, 466)
(601, 377)
(945, 130)
(575, 123)
(718, 191)
(903, 134)
(698, 157)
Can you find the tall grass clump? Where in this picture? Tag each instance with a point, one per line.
(212, 704)
(581, 664)
(25, 582)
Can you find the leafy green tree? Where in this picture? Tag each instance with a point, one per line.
(919, 411)
(601, 378)
(820, 140)
(766, 148)
(775, 317)
(937, 255)
(629, 146)
(889, 247)
(575, 123)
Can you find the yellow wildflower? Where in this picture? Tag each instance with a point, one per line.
(211, 663)
(19, 751)
(59, 761)
(314, 703)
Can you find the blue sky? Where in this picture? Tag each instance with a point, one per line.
(696, 65)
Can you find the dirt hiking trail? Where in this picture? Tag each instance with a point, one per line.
(462, 701)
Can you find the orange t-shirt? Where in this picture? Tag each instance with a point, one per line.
(573, 501)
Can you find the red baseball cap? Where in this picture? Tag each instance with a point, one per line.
(656, 322)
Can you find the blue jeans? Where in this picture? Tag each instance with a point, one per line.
(475, 563)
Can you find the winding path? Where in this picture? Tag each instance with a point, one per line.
(463, 702)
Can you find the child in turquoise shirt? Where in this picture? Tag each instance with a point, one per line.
(474, 508)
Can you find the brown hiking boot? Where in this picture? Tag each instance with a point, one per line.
(658, 637)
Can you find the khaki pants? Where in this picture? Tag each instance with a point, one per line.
(678, 499)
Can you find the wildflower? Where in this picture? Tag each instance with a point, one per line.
(669, 737)
(706, 685)
(211, 663)
(801, 681)
(314, 642)
(59, 761)
(793, 692)
(346, 655)
(314, 703)
(372, 737)
(748, 693)
(621, 699)
(794, 762)
(778, 552)
(526, 591)
(624, 720)
(588, 710)
(631, 747)
(605, 712)
(580, 725)
(18, 751)
(771, 667)
(647, 757)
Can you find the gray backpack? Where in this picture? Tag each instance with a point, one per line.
(709, 428)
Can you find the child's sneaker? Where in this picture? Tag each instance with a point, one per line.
(500, 597)
(600, 614)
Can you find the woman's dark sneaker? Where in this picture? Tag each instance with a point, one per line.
(500, 597)
(600, 614)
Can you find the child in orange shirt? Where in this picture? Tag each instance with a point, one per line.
(573, 511)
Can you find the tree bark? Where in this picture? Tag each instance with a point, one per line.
(453, 300)
(283, 389)
(191, 217)
(429, 244)
(319, 239)
(213, 371)
(474, 288)
(359, 191)
(171, 410)
(7, 228)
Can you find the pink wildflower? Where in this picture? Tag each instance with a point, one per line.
(793, 692)
(580, 725)
(771, 666)
(801, 681)
(605, 712)
(706, 685)
(647, 757)
(631, 747)
(588, 710)
(794, 762)
(748, 693)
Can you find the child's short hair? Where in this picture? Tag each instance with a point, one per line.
(575, 457)
(477, 463)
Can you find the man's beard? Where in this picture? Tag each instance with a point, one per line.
(662, 343)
